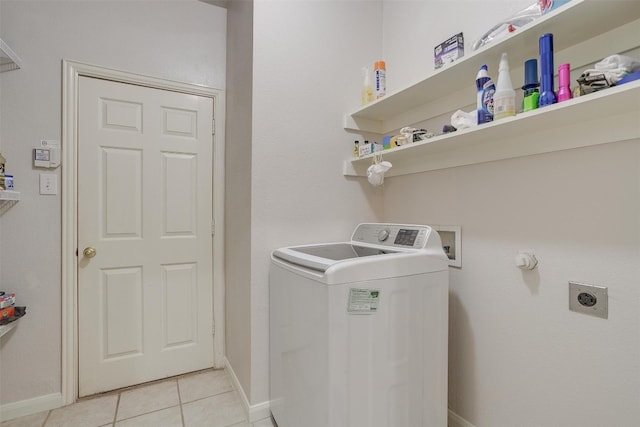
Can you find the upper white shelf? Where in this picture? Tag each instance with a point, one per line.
(571, 24)
(8, 58)
(606, 116)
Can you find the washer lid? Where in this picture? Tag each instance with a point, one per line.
(321, 257)
(340, 251)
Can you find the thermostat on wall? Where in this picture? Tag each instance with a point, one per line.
(47, 155)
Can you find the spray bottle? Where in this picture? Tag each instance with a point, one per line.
(504, 100)
(484, 96)
(367, 90)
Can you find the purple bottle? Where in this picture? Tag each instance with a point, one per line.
(547, 93)
(564, 92)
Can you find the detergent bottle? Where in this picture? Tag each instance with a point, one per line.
(484, 96)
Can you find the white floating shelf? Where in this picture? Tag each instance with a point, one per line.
(8, 58)
(7, 200)
(9, 326)
(606, 116)
(9, 195)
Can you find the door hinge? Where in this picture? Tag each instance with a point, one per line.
(213, 329)
(213, 126)
(213, 227)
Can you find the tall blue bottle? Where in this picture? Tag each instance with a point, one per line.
(547, 91)
(484, 96)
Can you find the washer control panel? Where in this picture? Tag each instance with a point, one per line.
(393, 235)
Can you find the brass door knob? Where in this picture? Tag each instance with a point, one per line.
(89, 252)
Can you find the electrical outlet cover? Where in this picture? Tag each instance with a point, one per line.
(589, 299)
(48, 183)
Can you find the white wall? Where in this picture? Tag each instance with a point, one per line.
(238, 189)
(306, 75)
(181, 40)
(518, 356)
(412, 28)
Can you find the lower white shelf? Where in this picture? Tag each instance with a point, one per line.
(606, 116)
(6, 328)
(8, 199)
(9, 195)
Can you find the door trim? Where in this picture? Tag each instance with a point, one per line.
(70, 76)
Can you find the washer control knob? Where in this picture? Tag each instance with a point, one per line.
(383, 234)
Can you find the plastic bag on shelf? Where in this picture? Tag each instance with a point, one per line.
(509, 25)
(520, 19)
(463, 120)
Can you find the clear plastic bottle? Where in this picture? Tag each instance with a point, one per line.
(2, 163)
(504, 99)
(367, 90)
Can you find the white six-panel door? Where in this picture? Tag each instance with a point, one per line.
(145, 207)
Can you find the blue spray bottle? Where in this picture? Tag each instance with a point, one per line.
(484, 96)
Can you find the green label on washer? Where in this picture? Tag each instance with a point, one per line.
(363, 301)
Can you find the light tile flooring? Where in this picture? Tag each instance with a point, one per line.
(202, 399)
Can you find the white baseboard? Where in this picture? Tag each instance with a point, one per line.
(259, 412)
(254, 412)
(455, 420)
(22, 408)
(262, 410)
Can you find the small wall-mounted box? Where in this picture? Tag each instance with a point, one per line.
(449, 50)
(451, 236)
(47, 155)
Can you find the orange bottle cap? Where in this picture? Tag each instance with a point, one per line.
(380, 65)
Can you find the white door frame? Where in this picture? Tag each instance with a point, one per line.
(70, 77)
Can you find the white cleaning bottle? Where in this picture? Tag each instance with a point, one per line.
(367, 89)
(504, 99)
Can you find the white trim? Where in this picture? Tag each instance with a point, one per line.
(12, 410)
(456, 420)
(70, 77)
(253, 412)
(259, 412)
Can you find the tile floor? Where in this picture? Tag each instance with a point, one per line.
(202, 399)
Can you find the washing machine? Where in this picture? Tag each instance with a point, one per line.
(359, 330)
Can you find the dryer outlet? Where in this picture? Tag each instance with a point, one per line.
(589, 299)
